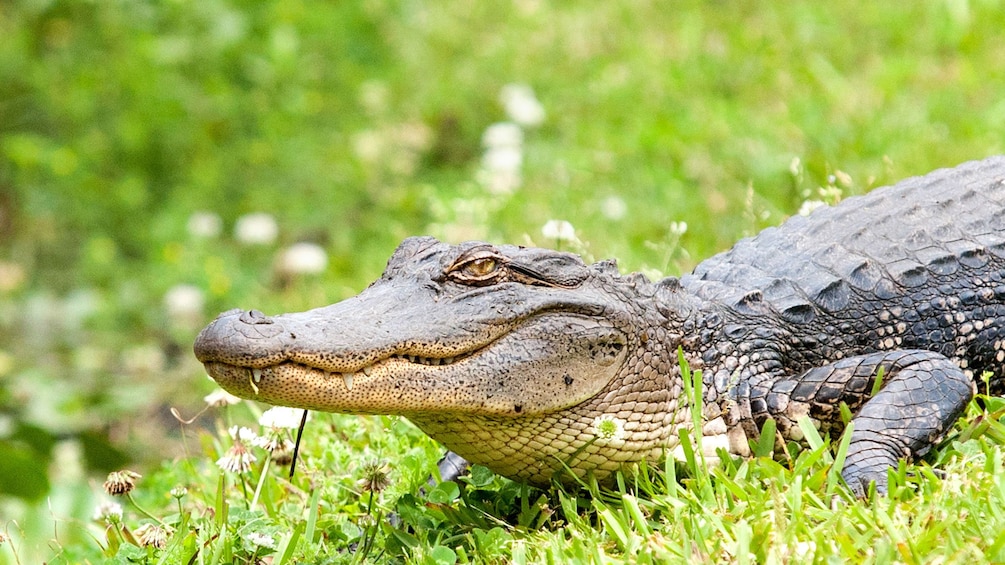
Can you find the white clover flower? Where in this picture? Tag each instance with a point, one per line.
(237, 459)
(678, 228)
(242, 433)
(12, 276)
(809, 206)
(256, 229)
(559, 230)
(184, 302)
(521, 105)
(108, 511)
(261, 540)
(302, 258)
(503, 160)
(204, 224)
(220, 397)
(273, 441)
(502, 134)
(368, 145)
(613, 208)
(608, 428)
(500, 172)
(500, 182)
(152, 535)
(281, 417)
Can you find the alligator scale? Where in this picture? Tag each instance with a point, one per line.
(512, 357)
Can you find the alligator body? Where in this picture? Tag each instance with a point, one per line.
(534, 364)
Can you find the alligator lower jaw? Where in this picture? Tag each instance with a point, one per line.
(373, 389)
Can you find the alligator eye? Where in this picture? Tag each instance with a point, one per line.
(481, 268)
(484, 268)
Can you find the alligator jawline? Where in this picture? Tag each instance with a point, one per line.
(256, 373)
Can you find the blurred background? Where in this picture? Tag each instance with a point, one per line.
(164, 161)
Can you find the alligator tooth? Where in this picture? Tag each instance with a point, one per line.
(448, 360)
(367, 370)
(257, 375)
(347, 379)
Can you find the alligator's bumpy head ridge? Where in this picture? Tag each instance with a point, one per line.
(507, 355)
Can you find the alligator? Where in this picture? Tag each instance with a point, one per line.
(889, 307)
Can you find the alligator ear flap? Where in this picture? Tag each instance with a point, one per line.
(548, 268)
(607, 267)
(670, 300)
(668, 284)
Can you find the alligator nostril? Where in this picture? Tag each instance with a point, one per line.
(254, 317)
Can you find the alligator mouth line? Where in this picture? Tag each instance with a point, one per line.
(348, 377)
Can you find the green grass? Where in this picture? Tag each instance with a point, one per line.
(358, 124)
(745, 511)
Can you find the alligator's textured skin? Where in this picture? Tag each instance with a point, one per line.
(536, 365)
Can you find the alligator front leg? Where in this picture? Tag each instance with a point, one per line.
(922, 394)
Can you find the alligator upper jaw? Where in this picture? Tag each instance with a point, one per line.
(326, 340)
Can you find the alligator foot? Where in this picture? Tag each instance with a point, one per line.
(451, 467)
(920, 396)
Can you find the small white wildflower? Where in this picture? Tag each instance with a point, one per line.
(261, 540)
(500, 172)
(204, 224)
(302, 258)
(241, 433)
(376, 476)
(608, 428)
(809, 206)
(369, 146)
(502, 159)
(678, 228)
(559, 230)
(220, 397)
(237, 459)
(152, 535)
(272, 441)
(521, 105)
(12, 276)
(613, 208)
(184, 302)
(108, 511)
(796, 167)
(502, 134)
(121, 482)
(281, 417)
(256, 229)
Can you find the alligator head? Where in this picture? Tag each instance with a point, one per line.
(509, 356)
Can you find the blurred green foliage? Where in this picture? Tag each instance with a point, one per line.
(356, 124)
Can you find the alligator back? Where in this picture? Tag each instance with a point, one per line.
(920, 264)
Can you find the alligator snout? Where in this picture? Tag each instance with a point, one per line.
(241, 337)
(253, 317)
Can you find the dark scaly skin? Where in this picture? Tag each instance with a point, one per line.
(514, 357)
